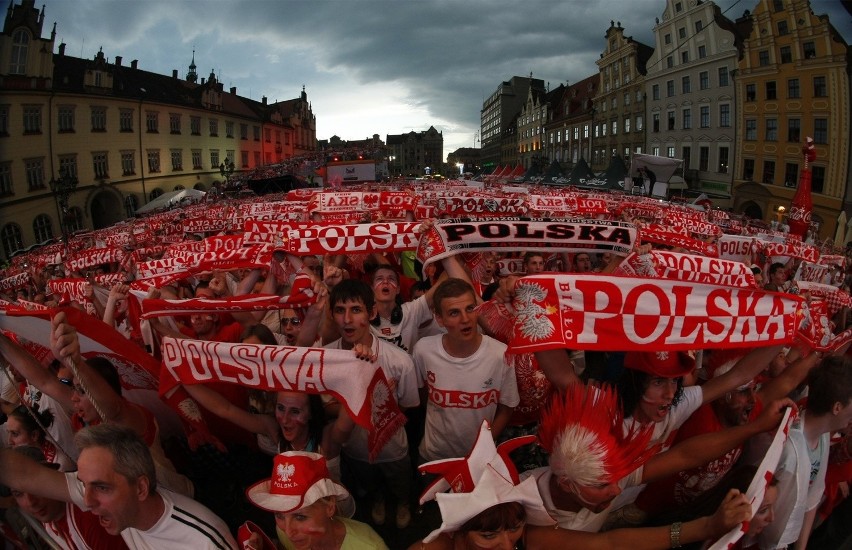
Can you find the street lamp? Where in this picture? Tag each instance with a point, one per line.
(62, 189)
(226, 169)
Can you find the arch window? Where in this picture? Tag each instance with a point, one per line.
(130, 205)
(11, 238)
(43, 228)
(20, 49)
(156, 193)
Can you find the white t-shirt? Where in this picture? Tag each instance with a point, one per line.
(60, 430)
(404, 334)
(398, 366)
(185, 523)
(462, 392)
(585, 519)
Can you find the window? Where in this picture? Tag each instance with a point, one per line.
(153, 161)
(4, 120)
(614, 127)
(639, 95)
(681, 32)
(68, 165)
(771, 91)
(817, 178)
(257, 158)
(128, 163)
(667, 39)
(195, 125)
(670, 151)
(820, 89)
(152, 122)
(214, 159)
(748, 169)
(196, 159)
(786, 54)
(684, 84)
(655, 121)
(244, 158)
(704, 116)
(763, 58)
(243, 131)
(793, 91)
(687, 153)
(751, 92)
(794, 130)
(684, 57)
(778, 5)
(670, 88)
(771, 129)
(821, 130)
(686, 116)
(174, 123)
(724, 116)
(125, 120)
(768, 172)
(751, 129)
(678, 7)
(669, 62)
(65, 122)
(155, 193)
(99, 119)
(214, 127)
(177, 160)
(614, 105)
(655, 92)
(704, 80)
(791, 174)
(702, 52)
(130, 205)
(99, 165)
(723, 160)
(6, 179)
(723, 76)
(35, 174)
(11, 237)
(639, 122)
(627, 125)
(626, 99)
(783, 30)
(20, 47)
(809, 50)
(256, 132)
(267, 132)
(32, 119)
(699, 26)
(670, 117)
(229, 129)
(43, 228)
(703, 158)
(74, 219)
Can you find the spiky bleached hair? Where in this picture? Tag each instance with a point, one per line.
(582, 429)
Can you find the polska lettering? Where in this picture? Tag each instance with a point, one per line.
(95, 257)
(463, 399)
(395, 237)
(542, 232)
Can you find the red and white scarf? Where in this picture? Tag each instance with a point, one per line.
(350, 239)
(670, 236)
(687, 267)
(604, 312)
(360, 386)
(448, 237)
(161, 308)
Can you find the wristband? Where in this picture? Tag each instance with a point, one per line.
(674, 535)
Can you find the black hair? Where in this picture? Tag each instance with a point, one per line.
(106, 370)
(631, 386)
(261, 332)
(354, 290)
(450, 288)
(33, 420)
(500, 517)
(316, 424)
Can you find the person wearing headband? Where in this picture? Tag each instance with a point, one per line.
(305, 502)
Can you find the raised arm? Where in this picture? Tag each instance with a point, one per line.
(34, 372)
(216, 403)
(23, 474)
(743, 372)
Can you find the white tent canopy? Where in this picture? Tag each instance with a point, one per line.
(172, 198)
(663, 167)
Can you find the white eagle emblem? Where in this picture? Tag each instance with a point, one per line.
(285, 472)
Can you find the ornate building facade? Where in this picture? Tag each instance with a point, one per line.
(415, 153)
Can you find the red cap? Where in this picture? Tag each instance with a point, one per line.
(665, 364)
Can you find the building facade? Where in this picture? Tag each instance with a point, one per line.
(122, 135)
(690, 94)
(569, 131)
(498, 120)
(792, 82)
(415, 153)
(619, 108)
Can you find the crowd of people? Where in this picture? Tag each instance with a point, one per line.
(645, 448)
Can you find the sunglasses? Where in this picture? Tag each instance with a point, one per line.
(66, 382)
(295, 321)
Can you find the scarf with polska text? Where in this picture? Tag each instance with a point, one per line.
(359, 385)
(352, 238)
(687, 267)
(833, 296)
(160, 307)
(448, 237)
(669, 236)
(607, 312)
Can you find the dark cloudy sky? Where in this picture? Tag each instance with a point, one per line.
(370, 66)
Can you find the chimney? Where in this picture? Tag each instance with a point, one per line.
(118, 61)
(233, 90)
(174, 73)
(263, 100)
(134, 63)
(62, 50)
(202, 80)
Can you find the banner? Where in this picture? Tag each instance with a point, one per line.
(15, 282)
(605, 312)
(95, 257)
(349, 239)
(670, 236)
(359, 385)
(448, 237)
